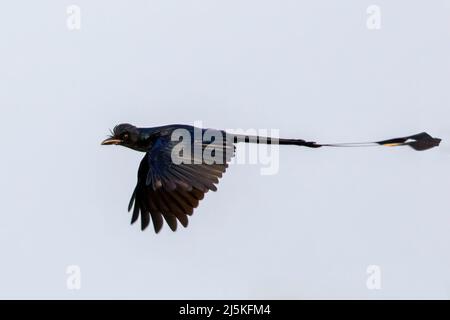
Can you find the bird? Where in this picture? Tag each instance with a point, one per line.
(183, 162)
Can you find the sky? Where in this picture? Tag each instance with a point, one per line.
(330, 223)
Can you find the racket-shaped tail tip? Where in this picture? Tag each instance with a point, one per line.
(425, 144)
(420, 142)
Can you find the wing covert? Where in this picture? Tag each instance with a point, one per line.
(171, 184)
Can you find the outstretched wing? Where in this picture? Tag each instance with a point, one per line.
(171, 184)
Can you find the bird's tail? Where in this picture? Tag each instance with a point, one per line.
(421, 141)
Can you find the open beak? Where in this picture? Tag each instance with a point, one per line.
(110, 141)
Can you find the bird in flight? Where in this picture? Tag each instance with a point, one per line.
(183, 162)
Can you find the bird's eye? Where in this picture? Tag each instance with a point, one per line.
(125, 136)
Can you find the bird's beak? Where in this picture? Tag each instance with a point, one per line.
(110, 141)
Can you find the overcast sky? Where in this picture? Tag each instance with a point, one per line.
(316, 70)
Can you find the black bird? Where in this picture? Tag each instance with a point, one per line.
(182, 163)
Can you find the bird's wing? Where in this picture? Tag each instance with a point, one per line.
(170, 191)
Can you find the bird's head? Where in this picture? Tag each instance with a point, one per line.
(125, 135)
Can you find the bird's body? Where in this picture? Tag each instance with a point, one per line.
(182, 163)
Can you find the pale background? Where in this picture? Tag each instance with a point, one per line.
(311, 69)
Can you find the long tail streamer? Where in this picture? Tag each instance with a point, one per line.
(421, 141)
